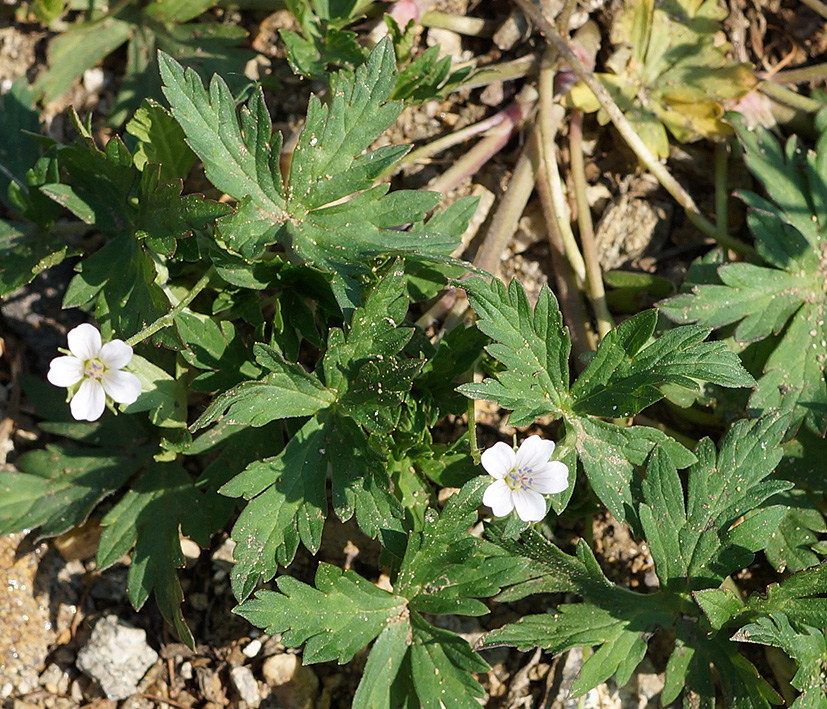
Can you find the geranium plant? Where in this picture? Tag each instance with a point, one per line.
(261, 350)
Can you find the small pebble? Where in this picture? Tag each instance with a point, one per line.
(252, 649)
(246, 685)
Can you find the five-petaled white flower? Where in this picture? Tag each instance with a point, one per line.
(97, 368)
(522, 478)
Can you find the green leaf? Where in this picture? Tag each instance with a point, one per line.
(377, 688)
(785, 296)
(327, 213)
(24, 252)
(217, 349)
(18, 152)
(628, 371)
(804, 644)
(610, 453)
(334, 621)
(287, 504)
(161, 394)
(619, 633)
(429, 77)
(287, 392)
(160, 142)
(801, 597)
(719, 605)
(791, 547)
(441, 668)
(165, 215)
(72, 53)
(59, 486)
(533, 346)
(722, 524)
(162, 500)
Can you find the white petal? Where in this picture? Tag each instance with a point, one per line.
(84, 341)
(88, 403)
(534, 451)
(497, 496)
(550, 480)
(65, 371)
(123, 387)
(530, 506)
(116, 354)
(498, 460)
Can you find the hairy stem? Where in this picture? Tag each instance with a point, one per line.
(167, 319)
(789, 97)
(816, 72)
(461, 24)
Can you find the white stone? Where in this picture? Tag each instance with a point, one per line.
(117, 656)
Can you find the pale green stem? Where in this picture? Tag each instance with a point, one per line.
(789, 97)
(461, 24)
(594, 274)
(568, 295)
(167, 319)
(564, 17)
(721, 187)
(505, 71)
(816, 6)
(816, 72)
(628, 133)
(550, 116)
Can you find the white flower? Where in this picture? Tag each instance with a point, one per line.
(522, 478)
(96, 368)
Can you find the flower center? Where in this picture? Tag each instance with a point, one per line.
(521, 478)
(93, 369)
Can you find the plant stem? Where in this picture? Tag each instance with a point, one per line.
(594, 275)
(568, 295)
(513, 114)
(816, 6)
(504, 71)
(721, 189)
(789, 97)
(551, 115)
(505, 219)
(816, 72)
(628, 133)
(461, 24)
(485, 149)
(167, 319)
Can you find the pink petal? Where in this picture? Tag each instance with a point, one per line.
(84, 341)
(497, 496)
(123, 387)
(498, 460)
(88, 403)
(534, 452)
(530, 506)
(65, 371)
(551, 479)
(116, 354)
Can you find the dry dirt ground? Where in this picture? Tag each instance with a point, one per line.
(51, 595)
